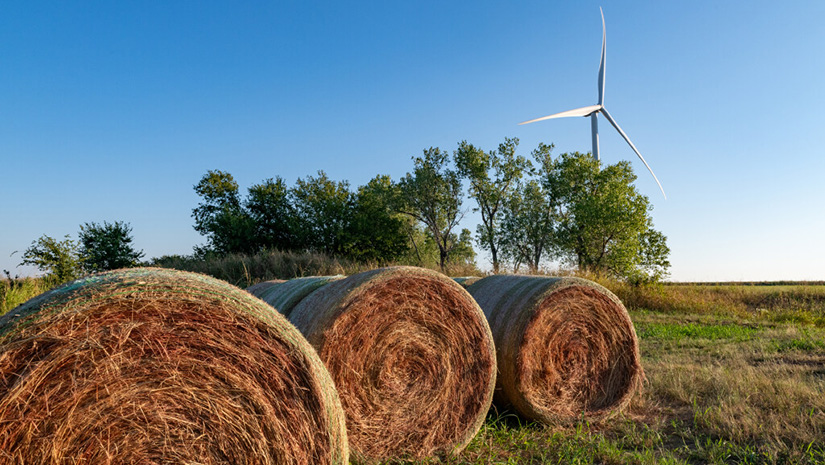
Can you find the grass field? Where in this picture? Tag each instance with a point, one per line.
(722, 386)
(734, 374)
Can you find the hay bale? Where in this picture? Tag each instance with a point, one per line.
(286, 295)
(256, 289)
(412, 357)
(161, 366)
(467, 281)
(565, 346)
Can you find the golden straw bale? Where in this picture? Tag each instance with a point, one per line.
(412, 357)
(161, 366)
(566, 347)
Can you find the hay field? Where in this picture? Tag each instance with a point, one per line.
(735, 374)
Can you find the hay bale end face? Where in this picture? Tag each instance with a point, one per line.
(162, 366)
(286, 295)
(412, 357)
(565, 346)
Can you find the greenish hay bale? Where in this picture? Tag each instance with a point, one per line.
(256, 289)
(467, 281)
(162, 366)
(286, 295)
(566, 347)
(412, 356)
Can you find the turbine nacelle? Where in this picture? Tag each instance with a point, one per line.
(593, 111)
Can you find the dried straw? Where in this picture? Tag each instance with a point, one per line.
(412, 357)
(161, 366)
(566, 347)
(286, 295)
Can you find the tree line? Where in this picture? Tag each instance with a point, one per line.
(533, 210)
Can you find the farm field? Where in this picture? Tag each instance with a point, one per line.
(734, 374)
(719, 389)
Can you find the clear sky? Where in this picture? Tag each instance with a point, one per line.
(112, 111)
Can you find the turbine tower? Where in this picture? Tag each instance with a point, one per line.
(593, 112)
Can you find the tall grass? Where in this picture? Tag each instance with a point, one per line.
(801, 303)
(245, 270)
(15, 291)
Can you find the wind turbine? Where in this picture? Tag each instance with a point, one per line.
(593, 111)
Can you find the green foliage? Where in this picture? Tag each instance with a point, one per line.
(58, 259)
(269, 207)
(603, 223)
(493, 179)
(316, 215)
(432, 195)
(107, 246)
(528, 220)
(323, 211)
(220, 216)
(376, 232)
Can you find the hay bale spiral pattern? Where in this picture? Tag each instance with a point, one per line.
(160, 366)
(566, 347)
(412, 357)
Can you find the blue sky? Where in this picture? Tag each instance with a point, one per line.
(114, 110)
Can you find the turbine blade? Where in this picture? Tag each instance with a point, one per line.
(584, 111)
(627, 139)
(602, 64)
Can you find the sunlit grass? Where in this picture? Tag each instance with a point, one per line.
(15, 291)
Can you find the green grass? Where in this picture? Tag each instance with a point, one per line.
(15, 291)
(695, 331)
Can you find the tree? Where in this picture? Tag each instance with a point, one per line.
(604, 223)
(375, 232)
(527, 226)
(107, 246)
(432, 195)
(323, 211)
(493, 176)
(268, 205)
(221, 217)
(59, 259)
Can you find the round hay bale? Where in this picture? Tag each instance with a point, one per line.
(257, 289)
(565, 346)
(161, 366)
(467, 281)
(412, 356)
(286, 295)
